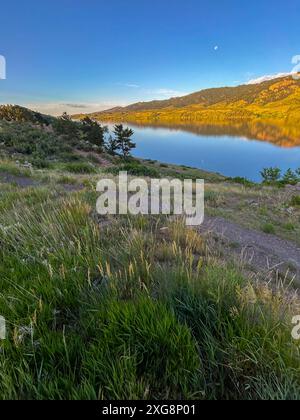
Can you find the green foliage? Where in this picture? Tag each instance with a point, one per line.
(19, 114)
(243, 181)
(290, 226)
(123, 140)
(295, 201)
(93, 132)
(92, 314)
(112, 145)
(70, 130)
(135, 169)
(271, 175)
(268, 228)
(290, 177)
(40, 163)
(142, 351)
(80, 168)
(31, 141)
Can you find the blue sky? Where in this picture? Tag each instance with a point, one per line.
(84, 55)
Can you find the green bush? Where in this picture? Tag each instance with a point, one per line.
(268, 228)
(40, 163)
(289, 226)
(23, 138)
(136, 170)
(80, 168)
(271, 175)
(295, 201)
(243, 181)
(69, 156)
(290, 177)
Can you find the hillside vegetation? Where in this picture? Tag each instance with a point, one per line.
(268, 111)
(131, 307)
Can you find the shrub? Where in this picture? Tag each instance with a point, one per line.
(295, 201)
(80, 168)
(213, 198)
(69, 156)
(290, 177)
(271, 175)
(289, 226)
(243, 181)
(268, 228)
(136, 170)
(40, 163)
(21, 114)
(23, 138)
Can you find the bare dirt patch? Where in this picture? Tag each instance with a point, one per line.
(263, 252)
(20, 181)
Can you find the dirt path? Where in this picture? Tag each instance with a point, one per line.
(261, 251)
(258, 250)
(101, 161)
(21, 181)
(27, 182)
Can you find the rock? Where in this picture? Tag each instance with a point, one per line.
(164, 229)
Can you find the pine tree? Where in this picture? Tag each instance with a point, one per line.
(123, 139)
(93, 131)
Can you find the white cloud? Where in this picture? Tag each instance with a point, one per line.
(216, 48)
(129, 85)
(164, 93)
(54, 108)
(267, 77)
(132, 85)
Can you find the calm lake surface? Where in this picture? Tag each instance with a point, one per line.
(229, 155)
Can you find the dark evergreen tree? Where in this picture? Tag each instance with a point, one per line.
(93, 131)
(66, 127)
(123, 140)
(112, 145)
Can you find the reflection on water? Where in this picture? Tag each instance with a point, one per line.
(230, 150)
(284, 135)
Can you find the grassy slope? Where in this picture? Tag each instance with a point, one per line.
(269, 111)
(139, 308)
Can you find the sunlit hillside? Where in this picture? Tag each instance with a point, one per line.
(268, 111)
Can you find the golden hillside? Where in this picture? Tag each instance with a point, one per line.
(268, 111)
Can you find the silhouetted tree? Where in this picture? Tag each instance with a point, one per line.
(66, 127)
(290, 177)
(123, 140)
(93, 131)
(112, 145)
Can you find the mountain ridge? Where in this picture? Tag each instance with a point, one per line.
(210, 96)
(270, 110)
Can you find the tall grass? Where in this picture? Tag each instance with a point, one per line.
(137, 308)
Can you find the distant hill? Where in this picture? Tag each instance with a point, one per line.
(262, 93)
(270, 110)
(20, 114)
